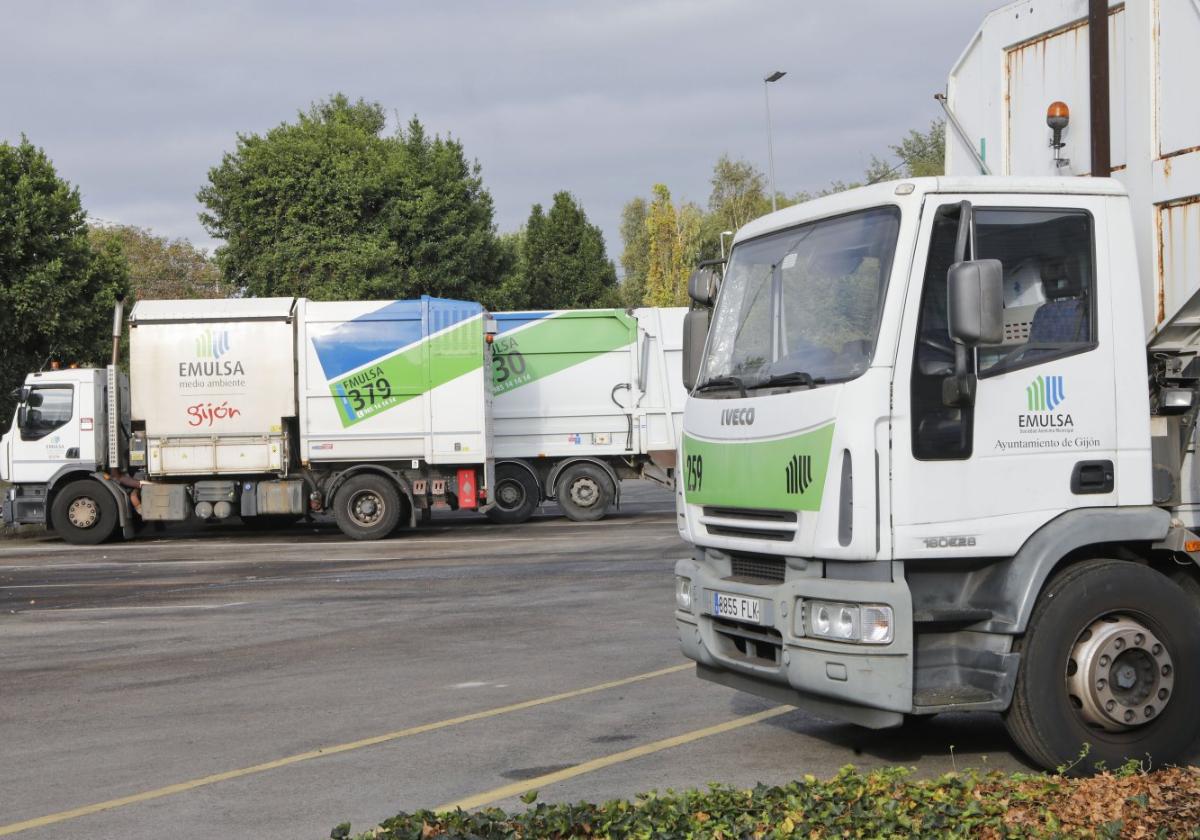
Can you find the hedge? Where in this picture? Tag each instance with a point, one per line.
(1129, 803)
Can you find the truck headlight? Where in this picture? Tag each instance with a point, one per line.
(683, 592)
(870, 624)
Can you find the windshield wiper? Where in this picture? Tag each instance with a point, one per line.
(795, 377)
(724, 382)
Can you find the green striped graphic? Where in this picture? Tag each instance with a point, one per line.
(409, 373)
(556, 343)
(757, 474)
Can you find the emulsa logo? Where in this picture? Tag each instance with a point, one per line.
(1043, 397)
(211, 346)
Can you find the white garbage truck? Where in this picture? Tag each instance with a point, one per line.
(581, 400)
(936, 452)
(265, 409)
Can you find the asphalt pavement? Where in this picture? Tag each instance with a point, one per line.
(270, 684)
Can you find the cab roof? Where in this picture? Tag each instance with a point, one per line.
(886, 192)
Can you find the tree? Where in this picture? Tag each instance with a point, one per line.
(635, 257)
(162, 268)
(739, 193)
(564, 261)
(330, 208)
(56, 292)
(674, 236)
(923, 153)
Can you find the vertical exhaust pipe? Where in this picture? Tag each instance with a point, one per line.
(118, 314)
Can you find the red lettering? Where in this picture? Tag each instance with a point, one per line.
(207, 413)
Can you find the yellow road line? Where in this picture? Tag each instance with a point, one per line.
(518, 788)
(181, 787)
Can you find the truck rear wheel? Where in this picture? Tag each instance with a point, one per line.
(367, 507)
(1110, 670)
(516, 495)
(84, 513)
(585, 492)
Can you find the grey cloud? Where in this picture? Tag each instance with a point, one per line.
(136, 100)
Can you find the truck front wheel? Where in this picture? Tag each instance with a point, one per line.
(84, 513)
(367, 507)
(585, 492)
(516, 495)
(1110, 670)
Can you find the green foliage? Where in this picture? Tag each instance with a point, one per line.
(674, 248)
(56, 291)
(884, 803)
(562, 262)
(162, 268)
(328, 207)
(739, 195)
(635, 258)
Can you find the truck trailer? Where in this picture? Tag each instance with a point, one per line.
(936, 451)
(266, 409)
(582, 399)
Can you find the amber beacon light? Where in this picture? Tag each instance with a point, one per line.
(1057, 117)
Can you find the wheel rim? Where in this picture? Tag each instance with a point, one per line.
(510, 494)
(1120, 674)
(83, 512)
(366, 507)
(585, 492)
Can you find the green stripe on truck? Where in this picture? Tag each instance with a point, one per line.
(402, 376)
(783, 474)
(557, 343)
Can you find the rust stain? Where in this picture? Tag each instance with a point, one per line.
(1179, 152)
(1160, 282)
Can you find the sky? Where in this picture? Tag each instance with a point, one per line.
(136, 101)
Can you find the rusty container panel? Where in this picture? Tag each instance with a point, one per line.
(1054, 67)
(1178, 31)
(1178, 255)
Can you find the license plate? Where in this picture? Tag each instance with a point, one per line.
(737, 607)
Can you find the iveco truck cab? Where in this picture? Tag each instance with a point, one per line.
(918, 468)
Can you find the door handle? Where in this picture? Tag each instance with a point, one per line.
(1093, 477)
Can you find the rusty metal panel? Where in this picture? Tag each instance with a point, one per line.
(1178, 35)
(1054, 66)
(1178, 229)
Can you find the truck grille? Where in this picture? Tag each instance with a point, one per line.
(751, 523)
(757, 569)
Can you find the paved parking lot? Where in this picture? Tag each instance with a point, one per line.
(269, 685)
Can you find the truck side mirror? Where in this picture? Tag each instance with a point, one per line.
(975, 302)
(975, 312)
(695, 332)
(703, 284)
(22, 416)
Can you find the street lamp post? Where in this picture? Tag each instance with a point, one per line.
(774, 77)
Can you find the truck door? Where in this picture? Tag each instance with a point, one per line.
(1041, 436)
(49, 436)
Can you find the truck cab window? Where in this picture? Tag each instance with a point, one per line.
(1049, 310)
(48, 408)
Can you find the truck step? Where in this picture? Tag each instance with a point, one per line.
(952, 695)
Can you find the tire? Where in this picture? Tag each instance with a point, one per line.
(1084, 631)
(516, 495)
(367, 507)
(84, 513)
(585, 492)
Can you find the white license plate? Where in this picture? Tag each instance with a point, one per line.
(737, 607)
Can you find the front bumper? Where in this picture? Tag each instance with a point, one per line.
(871, 685)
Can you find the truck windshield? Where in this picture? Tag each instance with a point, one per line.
(802, 306)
